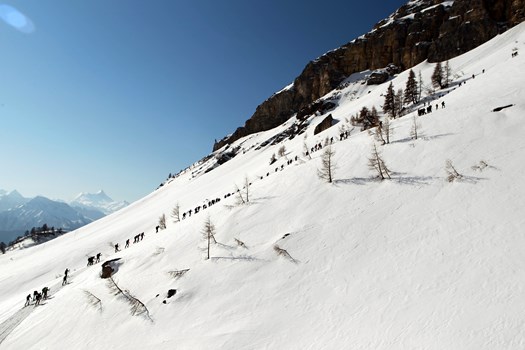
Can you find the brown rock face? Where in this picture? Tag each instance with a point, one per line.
(325, 124)
(416, 32)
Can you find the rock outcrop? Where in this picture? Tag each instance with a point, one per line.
(325, 124)
(426, 29)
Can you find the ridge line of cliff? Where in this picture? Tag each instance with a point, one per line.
(430, 30)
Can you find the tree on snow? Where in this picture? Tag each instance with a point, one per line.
(327, 165)
(208, 232)
(376, 163)
(162, 222)
(175, 213)
(437, 76)
(411, 89)
(243, 196)
(398, 102)
(420, 86)
(384, 132)
(390, 102)
(273, 159)
(282, 151)
(415, 128)
(387, 131)
(447, 73)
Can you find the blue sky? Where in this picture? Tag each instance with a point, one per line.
(116, 94)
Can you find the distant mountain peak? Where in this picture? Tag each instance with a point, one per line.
(14, 194)
(99, 201)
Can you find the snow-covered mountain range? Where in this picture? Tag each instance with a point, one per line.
(421, 261)
(98, 201)
(19, 214)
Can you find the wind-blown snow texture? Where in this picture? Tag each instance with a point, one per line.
(411, 263)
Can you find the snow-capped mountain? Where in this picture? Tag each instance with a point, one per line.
(430, 259)
(39, 211)
(99, 201)
(19, 214)
(11, 199)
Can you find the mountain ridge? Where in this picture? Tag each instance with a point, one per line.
(420, 30)
(19, 214)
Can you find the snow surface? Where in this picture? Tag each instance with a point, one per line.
(411, 263)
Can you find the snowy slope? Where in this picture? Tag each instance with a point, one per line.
(411, 263)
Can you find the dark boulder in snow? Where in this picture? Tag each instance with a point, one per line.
(377, 77)
(109, 268)
(325, 124)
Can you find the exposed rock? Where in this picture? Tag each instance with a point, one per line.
(427, 29)
(377, 77)
(109, 268)
(320, 106)
(325, 124)
(107, 271)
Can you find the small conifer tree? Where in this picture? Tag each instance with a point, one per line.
(411, 89)
(389, 104)
(208, 232)
(376, 163)
(327, 165)
(437, 76)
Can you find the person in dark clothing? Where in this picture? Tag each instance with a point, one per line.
(127, 243)
(38, 298)
(28, 300)
(44, 292)
(116, 248)
(90, 260)
(98, 257)
(142, 236)
(157, 228)
(66, 272)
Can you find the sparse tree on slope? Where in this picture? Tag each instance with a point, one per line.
(376, 163)
(273, 159)
(437, 76)
(390, 102)
(398, 103)
(208, 232)
(327, 165)
(452, 173)
(379, 134)
(415, 128)
(243, 196)
(387, 130)
(419, 86)
(447, 74)
(306, 150)
(162, 222)
(282, 151)
(411, 89)
(175, 213)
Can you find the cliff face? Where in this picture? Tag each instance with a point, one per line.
(422, 29)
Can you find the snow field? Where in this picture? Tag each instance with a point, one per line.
(411, 263)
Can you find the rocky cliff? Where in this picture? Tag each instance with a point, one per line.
(421, 29)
